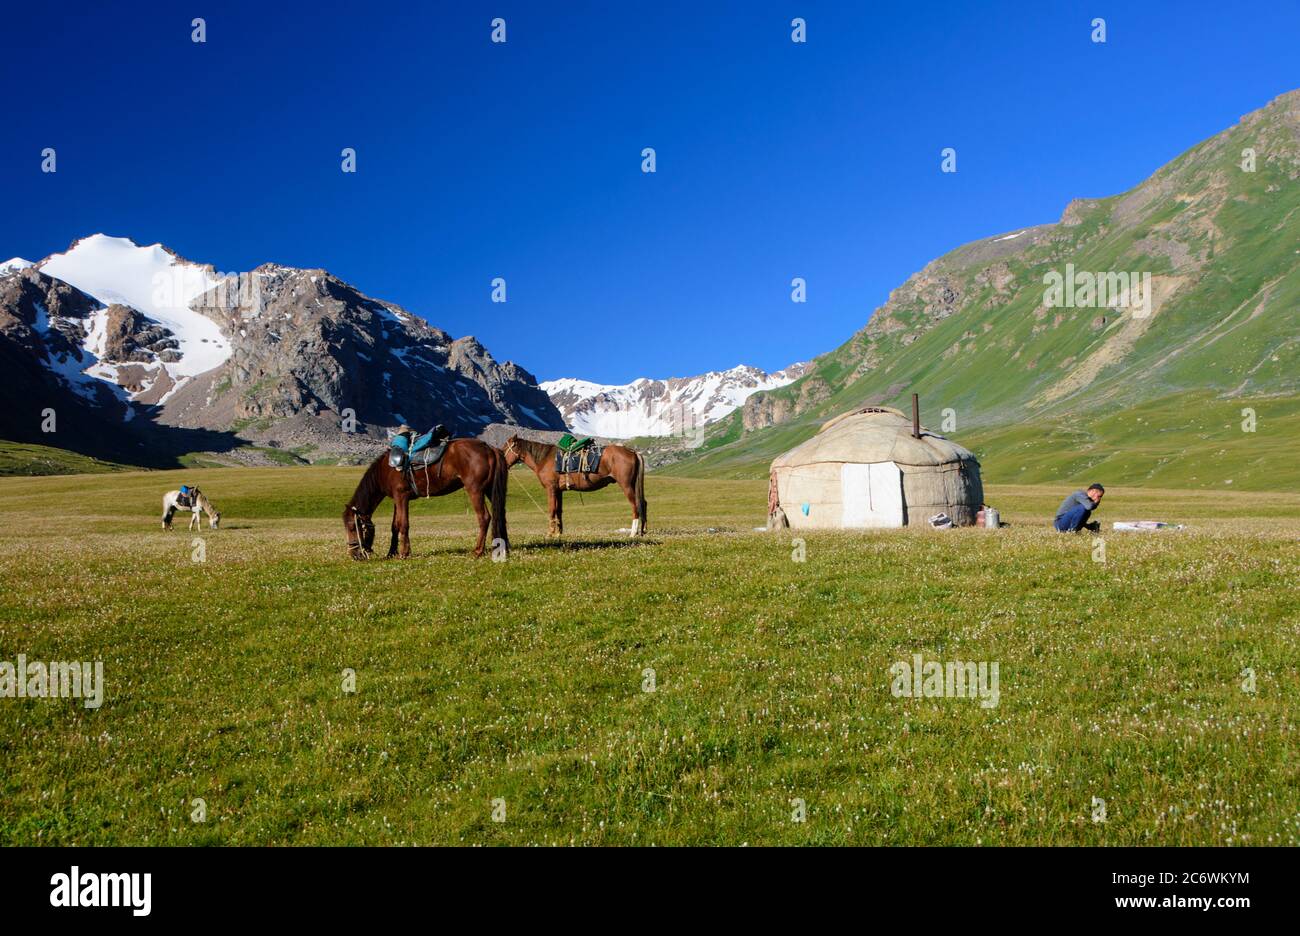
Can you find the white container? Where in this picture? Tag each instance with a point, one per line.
(992, 520)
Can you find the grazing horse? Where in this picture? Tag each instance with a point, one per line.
(467, 463)
(171, 503)
(617, 463)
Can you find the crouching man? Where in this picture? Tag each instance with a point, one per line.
(1077, 508)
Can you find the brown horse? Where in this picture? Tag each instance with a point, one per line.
(468, 463)
(617, 463)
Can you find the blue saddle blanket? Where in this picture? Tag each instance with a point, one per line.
(413, 446)
(422, 442)
(585, 460)
(419, 452)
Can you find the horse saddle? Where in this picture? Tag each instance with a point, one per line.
(585, 459)
(407, 450)
(571, 443)
(436, 435)
(430, 454)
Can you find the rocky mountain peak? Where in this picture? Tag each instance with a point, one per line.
(277, 357)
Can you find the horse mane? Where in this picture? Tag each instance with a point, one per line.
(540, 451)
(369, 490)
(201, 501)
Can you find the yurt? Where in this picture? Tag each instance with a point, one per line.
(874, 467)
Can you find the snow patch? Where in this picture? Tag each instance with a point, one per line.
(82, 371)
(14, 264)
(152, 281)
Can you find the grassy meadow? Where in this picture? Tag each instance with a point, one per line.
(524, 682)
(21, 458)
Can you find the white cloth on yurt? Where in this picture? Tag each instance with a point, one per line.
(871, 495)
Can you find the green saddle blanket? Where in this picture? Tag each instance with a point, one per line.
(572, 443)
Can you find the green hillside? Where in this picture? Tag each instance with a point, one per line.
(18, 458)
(1041, 391)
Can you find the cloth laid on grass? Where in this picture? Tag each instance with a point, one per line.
(1145, 526)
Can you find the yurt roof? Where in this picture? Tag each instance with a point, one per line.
(874, 434)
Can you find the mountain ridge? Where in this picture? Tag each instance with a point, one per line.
(278, 357)
(648, 407)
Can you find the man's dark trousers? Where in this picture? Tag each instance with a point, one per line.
(1073, 519)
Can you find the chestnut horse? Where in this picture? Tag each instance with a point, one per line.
(468, 463)
(617, 463)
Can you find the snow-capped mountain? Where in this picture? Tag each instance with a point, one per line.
(155, 283)
(14, 263)
(278, 356)
(647, 407)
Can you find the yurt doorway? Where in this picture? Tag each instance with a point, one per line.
(871, 495)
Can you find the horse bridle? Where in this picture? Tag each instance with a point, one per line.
(360, 517)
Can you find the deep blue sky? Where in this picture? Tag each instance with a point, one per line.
(523, 160)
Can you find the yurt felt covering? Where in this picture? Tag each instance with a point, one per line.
(865, 469)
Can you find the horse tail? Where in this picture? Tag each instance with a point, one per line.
(500, 477)
(640, 489)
